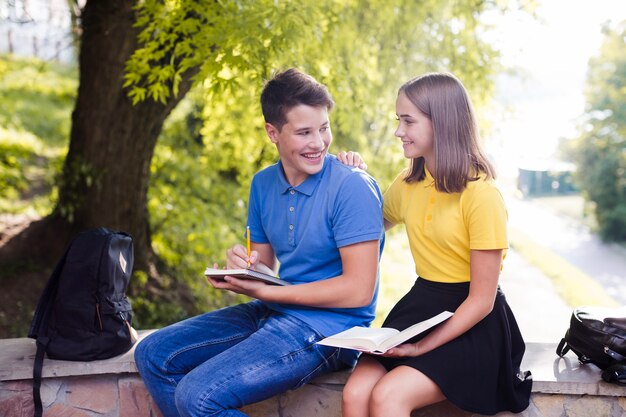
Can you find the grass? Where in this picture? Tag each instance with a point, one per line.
(397, 273)
(574, 286)
(36, 101)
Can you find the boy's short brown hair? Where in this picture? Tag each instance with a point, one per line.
(288, 89)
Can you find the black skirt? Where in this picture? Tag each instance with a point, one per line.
(478, 371)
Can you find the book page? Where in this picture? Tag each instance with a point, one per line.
(244, 274)
(359, 338)
(263, 269)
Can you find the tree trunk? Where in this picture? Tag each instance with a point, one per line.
(107, 169)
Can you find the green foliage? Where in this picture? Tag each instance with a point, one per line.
(149, 314)
(214, 141)
(600, 150)
(197, 195)
(36, 100)
(362, 49)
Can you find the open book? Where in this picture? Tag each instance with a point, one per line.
(380, 340)
(244, 274)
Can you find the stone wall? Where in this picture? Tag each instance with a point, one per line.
(102, 395)
(112, 388)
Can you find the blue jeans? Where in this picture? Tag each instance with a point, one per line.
(215, 363)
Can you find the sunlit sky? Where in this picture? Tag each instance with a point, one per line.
(542, 99)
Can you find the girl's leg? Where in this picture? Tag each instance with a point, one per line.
(358, 389)
(401, 391)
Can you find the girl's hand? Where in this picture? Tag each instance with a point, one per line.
(403, 351)
(352, 159)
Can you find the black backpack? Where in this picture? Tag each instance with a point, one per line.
(83, 313)
(598, 335)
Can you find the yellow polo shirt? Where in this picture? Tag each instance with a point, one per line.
(443, 228)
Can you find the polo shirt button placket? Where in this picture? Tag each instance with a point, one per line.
(292, 216)
(429, 212)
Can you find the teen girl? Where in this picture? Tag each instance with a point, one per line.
(455, 219)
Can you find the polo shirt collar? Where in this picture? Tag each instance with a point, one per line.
(429, 181)
(309, 185)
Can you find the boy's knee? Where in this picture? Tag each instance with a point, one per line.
(191, 399)
(146, 353)
(140, 353)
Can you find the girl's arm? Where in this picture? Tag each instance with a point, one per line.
(485, 271)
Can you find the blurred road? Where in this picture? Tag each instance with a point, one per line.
(543, 316)
(541, 313)
(572, 241)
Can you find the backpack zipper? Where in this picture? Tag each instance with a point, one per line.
(132, 332)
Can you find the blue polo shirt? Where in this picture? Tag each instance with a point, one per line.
(306, 225)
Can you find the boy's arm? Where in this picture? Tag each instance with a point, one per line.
(353, 288)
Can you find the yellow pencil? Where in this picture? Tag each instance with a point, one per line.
(248, 243)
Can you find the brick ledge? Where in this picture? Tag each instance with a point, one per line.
(551, 374)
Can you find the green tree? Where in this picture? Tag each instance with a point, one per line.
(224, 130)
(600, 150)
(184, 199)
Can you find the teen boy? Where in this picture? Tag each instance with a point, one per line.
(322, 222)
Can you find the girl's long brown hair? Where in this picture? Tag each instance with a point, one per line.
(459, 158)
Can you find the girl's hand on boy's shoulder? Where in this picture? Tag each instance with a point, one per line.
(352, 159)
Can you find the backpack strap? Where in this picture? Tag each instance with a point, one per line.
(42, 344)
(562, 348)
(40, 319)
(38, 330)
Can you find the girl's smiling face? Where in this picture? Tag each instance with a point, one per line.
(415, 130)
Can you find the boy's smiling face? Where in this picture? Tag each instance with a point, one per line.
(302, 142)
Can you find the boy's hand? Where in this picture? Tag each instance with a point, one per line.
(237, 258)
(249, 287)
(352, 159)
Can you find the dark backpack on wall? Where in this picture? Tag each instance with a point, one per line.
(83, 313)
(598, 336)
